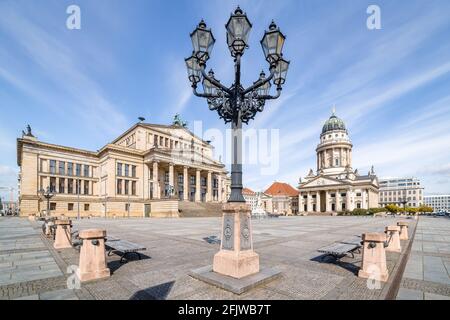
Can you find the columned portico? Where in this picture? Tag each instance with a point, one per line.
(156, 188)
(171, 178)
(209, 186)
(197, 185)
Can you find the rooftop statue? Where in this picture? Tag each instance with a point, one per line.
(28, 133)
(177, 121)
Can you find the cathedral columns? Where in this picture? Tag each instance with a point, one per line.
(338, 201)
(348, 201)
(318, 201)
(327, 201)
(308, 202)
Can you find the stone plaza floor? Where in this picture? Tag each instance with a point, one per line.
(31, 269)
(427, 273)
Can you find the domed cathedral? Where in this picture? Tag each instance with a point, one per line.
(336, 186)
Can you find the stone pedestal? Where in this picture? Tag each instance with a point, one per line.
(63, 237)
(393, 238)
(236, 266)
(92, 264)
(236, 257)
(403, 230)
(374, 257)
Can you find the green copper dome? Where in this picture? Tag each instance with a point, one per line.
(334, 123)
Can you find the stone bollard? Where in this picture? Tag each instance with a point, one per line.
(92, 264)
(403, 230)
(373, 264)
(63, 237)
(393, 239)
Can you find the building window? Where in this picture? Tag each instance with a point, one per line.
(127, 170)
(127, 183)
(78, 170)
(133, 171)
(358, 205)
(86, 187)
(203, 181)
(119, 186)
(61, 185)
(180, 179)
(52, 206)
(69, 168)
(133, 188)
(52, 166)
(119, 169)
(62, 167)
(86, 170)
(358, 194)
(166, 177)
(53, 184)
(192, 180)
(70, 186)
(86, 207)
(70, 207)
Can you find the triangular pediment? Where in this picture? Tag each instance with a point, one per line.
(322, 181)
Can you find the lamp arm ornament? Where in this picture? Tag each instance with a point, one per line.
(204, 95)
(215, 82)
(269, 97)
(259, 83)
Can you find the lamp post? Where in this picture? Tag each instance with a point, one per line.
(236, 105)
(78, 198)
(47, 194)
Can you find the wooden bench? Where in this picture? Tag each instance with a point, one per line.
(124, 247)
(339, 250)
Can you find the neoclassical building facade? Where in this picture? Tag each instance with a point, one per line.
(147, 171)
(336, 186)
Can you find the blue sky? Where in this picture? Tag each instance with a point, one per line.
(82, 88)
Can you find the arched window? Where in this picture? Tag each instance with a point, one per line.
(337, 162)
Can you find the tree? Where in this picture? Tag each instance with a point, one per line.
(392, 208)
(1, 204)
(425, 209)
(411, 210)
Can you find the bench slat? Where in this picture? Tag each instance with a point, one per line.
(124, 246)
(338, 248)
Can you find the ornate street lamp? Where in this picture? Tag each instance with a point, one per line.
(237, 105)
(47, 194)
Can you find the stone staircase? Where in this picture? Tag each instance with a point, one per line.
(189, 209)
